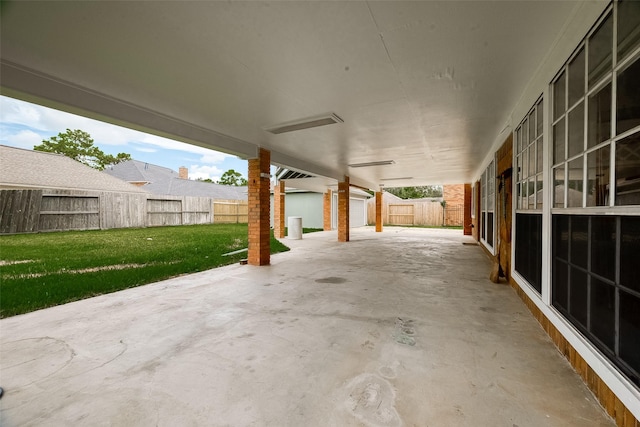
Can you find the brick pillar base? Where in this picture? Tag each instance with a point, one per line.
(343, 210)
(278, 210)
(259, 228)
(378, 211)
(326, 210)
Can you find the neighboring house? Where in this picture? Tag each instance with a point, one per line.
(163, 181)
(29, 169)
(309, 206)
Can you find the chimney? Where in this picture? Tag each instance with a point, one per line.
(183, 173)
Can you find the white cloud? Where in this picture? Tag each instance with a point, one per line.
(23, 139)
(204, 172)
(38, 118)
(145, 150)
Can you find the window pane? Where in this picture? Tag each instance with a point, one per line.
(630, 330)
(600, 45)
(628, 171)
(490, 228)
(598, 177)
(532, 159)
(629, 250)
(579, 240)
(531, 192)
(525, 163)
(561, 236)
(539, 191)
(560, 285)
(539, 120)
(518, 139)
(558, 143)
(603, 311)
(523, 195)
(603, 246)
(576, 130)
(558, 187)
(628, 27)
(578, 295)
(529, 248)
(576, 78)
(518, 197)
(525, 134)
(628, 98)
(519, 168)
(539, 155)
(599, 116)
(558, 97)
(574, 192)
(532, 126)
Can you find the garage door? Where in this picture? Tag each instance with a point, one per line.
(357, 213)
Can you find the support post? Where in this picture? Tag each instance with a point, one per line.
(278, 210)
(378, 211)
(343, 210)
(467, 210)
(326, 210)
(259, 216)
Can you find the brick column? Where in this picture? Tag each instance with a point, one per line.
(259, 227)
(467, 210)
(278, 210)
(343, 210)
(378, 211)
(326, 210)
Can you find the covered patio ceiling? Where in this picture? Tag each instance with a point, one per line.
(428, 85)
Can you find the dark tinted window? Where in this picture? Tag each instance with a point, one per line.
(603, 246)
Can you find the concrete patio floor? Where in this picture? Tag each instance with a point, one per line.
(391, 329)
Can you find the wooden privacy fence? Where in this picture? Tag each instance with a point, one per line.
(420, 212)
(231, 211)
(30, 211)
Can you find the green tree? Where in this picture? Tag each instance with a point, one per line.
(231, 177)
(78, 145)
(416, 192)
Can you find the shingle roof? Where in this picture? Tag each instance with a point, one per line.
(20, 168)
(166, 182)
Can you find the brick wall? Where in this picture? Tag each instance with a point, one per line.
(278, 210)
(259, 227)
(454, 208)
(467, 210)
(378, 211)
(326, 210)
(343, 210)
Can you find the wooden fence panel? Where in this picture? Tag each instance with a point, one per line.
(164, 212)
(407, 212)
(29, 211)
(69, 212)
(430, 214)
(401, 214)
(196, 210)
(123, 210)
(19, 211)
(230, 211)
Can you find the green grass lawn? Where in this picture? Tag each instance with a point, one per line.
(43, 270)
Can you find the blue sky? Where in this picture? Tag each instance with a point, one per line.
(24, 125)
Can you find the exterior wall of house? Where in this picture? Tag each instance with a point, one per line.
(306, 205)
(575, 229)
